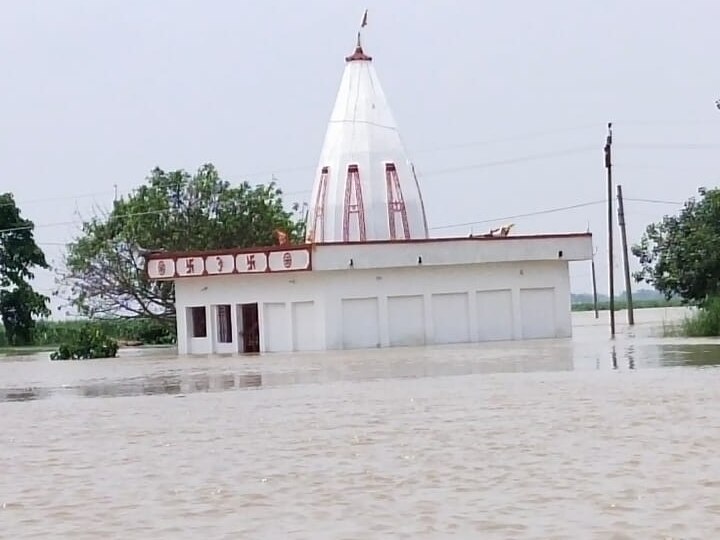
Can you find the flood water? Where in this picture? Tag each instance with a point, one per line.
(550, 439)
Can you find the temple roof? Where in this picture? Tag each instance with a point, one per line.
(365, 186)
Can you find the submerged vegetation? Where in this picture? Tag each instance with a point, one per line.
(704, 322)
(86, 343)
(50, 334)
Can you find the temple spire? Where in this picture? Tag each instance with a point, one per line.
(365, 187)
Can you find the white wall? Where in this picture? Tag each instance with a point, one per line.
(275, 323)
(305, 326)
(534, 302)
(481, 302)
(495, 315)
(451, 317)
(360, 325)
(390, 306)
(406, 320)
(452, 252)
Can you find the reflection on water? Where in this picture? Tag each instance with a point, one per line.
(147, 372)
(629, 354)
(168, 383)
(174, 376)
(613, 356)
(686, 355)
(22, 394)
(628, 357)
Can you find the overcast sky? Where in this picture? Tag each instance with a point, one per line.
(503, 106)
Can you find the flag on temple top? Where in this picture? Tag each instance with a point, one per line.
(363, 24)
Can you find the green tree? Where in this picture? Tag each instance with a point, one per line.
(680, 256)
(19, 255)
(173, 211)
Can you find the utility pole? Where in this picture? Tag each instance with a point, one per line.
(115, 192)
(594, 282)
(626, 262)
(611, 273)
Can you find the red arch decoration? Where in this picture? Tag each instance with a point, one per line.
(353, 205)
(395, 202)
(319, 213)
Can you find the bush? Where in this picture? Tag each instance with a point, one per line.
(705, 322)
(88, 342)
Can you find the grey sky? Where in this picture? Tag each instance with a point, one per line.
(96, 93)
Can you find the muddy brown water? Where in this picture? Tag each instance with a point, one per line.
(580, 438)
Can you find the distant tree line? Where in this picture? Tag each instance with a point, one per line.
(103, 277)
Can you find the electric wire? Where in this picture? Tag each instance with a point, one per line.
(509, 161)
(516, 216)
(438, 227)
(653, 201)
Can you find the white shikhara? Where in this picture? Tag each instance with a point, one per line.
(365, 187)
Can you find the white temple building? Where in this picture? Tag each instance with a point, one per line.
(368, 274)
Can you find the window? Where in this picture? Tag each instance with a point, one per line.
(224, 324)
(199, 323)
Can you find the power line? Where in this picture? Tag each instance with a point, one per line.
(510, 161)
(672, 146)
(461, 168)
(550, 211)
(34, 226)
(639, 146)
(152, 212)
(53, 199)
(439, 227)
(529, 214)
(703, 122)
(524, 136)
(520, 137)
(653, 201)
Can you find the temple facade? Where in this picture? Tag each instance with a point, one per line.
(368, 274)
